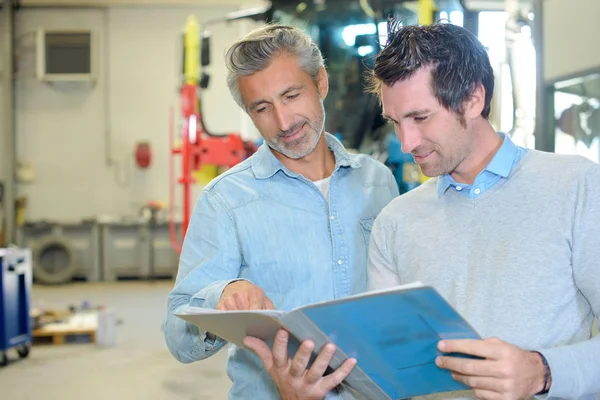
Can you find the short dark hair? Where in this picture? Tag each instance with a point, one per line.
(459, 63)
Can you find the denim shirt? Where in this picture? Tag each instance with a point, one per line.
(261, 222)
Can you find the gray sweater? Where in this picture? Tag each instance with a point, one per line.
(521, 262)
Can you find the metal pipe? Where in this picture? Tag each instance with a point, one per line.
(7, 171)
(544, 103)
(108, 155)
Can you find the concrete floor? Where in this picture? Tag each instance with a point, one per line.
(138, 367)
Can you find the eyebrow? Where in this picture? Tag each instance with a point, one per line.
(255, 104)
(286, 91)
(290, 89)
(416, 113)
(409, 114)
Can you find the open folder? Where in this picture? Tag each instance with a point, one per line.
(393, 334)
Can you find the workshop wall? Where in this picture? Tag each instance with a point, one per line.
(570, 33)
(79, 138)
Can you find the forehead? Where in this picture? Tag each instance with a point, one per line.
(409, 94)
(282, 73)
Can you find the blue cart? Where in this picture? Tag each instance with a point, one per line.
(15, 298)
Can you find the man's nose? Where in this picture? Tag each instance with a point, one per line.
(410, 138)
(283, 118)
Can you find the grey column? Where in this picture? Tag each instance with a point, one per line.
(7, 147)
(544, 104)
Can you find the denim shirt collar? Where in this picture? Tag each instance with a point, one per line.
(265, 164)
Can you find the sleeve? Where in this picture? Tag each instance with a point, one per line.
(575, 368)
(393, 185)
(381, 269)
(210, 260)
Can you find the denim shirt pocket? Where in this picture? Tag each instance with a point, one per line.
(366, 225)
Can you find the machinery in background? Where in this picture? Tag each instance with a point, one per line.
(406, 171)
(62, 252)
(196, 146)
(108, 250)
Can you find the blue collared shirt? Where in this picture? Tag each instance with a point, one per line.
(507, 156)
(261, 222)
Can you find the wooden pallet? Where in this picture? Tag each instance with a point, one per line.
(78, 325)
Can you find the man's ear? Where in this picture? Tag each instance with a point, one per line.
(322, 83)
(474, 105)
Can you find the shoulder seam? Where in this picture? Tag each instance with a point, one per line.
(239, 169)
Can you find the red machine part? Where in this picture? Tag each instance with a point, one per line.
(226, 150)
(198, 148)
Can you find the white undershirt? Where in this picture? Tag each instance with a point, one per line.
(323, 186)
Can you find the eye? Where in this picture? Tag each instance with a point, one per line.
(293, 96)
(261, 109)
(420, 119)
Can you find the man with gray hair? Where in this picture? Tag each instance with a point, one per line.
(288, 226)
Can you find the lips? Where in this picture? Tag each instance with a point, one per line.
(292, 135)
(422, 156)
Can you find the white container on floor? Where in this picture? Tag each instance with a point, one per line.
(106, 332)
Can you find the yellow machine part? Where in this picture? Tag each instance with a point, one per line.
(426, 13)
(191, 68)
(426, 10)
(205, 174)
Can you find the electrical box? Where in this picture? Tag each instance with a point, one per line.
(65, 55)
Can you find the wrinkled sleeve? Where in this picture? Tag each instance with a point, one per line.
(210, 260)
(576, 368)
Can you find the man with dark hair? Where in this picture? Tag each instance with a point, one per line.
(508, 236)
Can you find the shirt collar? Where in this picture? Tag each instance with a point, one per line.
(501, 164)
(265, 164)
